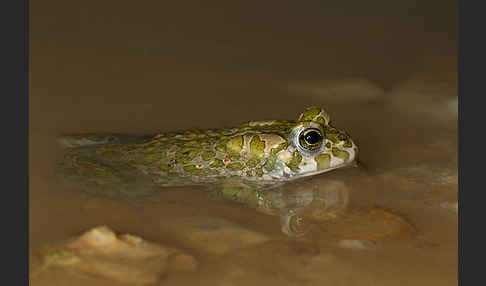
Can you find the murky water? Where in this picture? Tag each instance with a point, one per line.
(386, 73)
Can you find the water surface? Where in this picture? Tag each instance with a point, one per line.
(143, 68)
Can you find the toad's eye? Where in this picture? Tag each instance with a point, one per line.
(311, 139)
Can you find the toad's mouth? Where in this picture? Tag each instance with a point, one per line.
(290, 176)
(353, 163)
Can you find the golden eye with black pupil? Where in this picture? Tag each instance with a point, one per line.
(311, 139)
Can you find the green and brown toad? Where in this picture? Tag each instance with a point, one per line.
(249, 159)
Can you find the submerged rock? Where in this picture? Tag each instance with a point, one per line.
(423, 177)
(122, 258)
(214, 235)
(428, 96)
(373, 225)
(450, 206)
(356, 244)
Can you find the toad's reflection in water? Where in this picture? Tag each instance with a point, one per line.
(300, 205)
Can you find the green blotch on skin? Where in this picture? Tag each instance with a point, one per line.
(208, 155)
(234, 156)
(259, 172)
(328, 145)
(270, 163)
(217, 163)
(278, 123)
(340, 154)
(257, 147)
(157, 144)
(253, 162)
(327, 117)
(234, 145)
(320, 120)
(227, 131)
(193, 133)
(221, 146)
(191, 143)
(279, 148)
(332, 135)
(235, 166)
(211, 133)
(272, 158)
(323, 161)
(294, 162)
(348, 144)
(186, 155)
(310, 114)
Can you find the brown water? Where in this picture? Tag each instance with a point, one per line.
(111, 66)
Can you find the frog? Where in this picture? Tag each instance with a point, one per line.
(240, 164)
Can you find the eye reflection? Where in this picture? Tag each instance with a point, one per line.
(311, 139)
